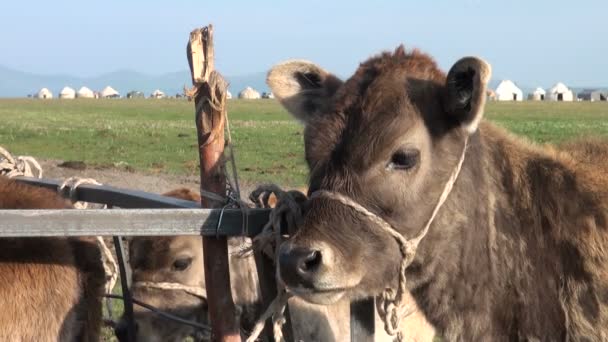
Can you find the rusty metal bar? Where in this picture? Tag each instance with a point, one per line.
(126, 290)
(210, 113)
(123, 198)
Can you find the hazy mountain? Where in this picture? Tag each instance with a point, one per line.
(14, 83)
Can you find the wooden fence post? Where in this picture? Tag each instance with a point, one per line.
(209, 95)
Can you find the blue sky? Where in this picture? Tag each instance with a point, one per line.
(533, 42)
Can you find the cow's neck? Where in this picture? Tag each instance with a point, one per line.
(488, 240)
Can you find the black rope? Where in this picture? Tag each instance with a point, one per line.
(126, 292)
(205, 328)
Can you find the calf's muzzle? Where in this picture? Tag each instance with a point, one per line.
(298, 265)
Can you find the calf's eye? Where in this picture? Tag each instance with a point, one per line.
(404, 159)
(181, 264)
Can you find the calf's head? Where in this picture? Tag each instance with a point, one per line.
(388, 137)
(176, 260)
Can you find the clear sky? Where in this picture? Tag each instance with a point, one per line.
(533, 42)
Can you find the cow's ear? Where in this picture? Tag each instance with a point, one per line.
(465, 96)
(302, 87)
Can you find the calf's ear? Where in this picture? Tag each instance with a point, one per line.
(302, 87)
(465, 96)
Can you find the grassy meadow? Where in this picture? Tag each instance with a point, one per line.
(158, 136)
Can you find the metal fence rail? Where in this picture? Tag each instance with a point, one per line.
(180, 217)
(130, 222)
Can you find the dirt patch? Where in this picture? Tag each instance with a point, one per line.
(122, 177)
(73, 164)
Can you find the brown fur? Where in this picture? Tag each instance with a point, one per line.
(517, 252)
(151, 258)
(50, 288)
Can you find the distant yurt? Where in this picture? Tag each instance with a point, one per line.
(67, 93)
(538, 95)
(560, 92)
(157, 94)
(268, 95)
(134, 94)
(109, 93)
(592, 95)
(508, 91)
(44, 93)
(228, 95)
(85, 93)
(491, 95)
(249, 93)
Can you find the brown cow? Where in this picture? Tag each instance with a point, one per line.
(50, 288)
(178, 259)
(517, 252)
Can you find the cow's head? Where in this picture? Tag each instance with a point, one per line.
(172, 259)
(388, 137)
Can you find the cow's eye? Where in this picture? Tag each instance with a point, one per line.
(404, 159)
(181, 264)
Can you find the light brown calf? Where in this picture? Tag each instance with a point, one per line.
(50, 288)
(179, 259)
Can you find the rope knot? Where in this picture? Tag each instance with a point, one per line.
(287, 212)
(20, 166)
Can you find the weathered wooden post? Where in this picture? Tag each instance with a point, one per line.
(209, 95)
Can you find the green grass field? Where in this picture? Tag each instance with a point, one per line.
(159, 135)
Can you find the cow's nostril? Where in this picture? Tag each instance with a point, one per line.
(310, 262)
(299, 266)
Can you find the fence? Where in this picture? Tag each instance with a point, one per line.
(136, 213)
(147, 214)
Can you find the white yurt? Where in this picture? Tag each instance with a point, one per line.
(249, 93)
(157, 94)
(537, 95)
(44, 93)
(269, 95)
(109, 92)
(228, 95)
(85, 92)
(560, 92)
(508, 91)
(67, 93)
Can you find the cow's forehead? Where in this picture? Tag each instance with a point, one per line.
(382, 88)
(399, 65)
(386, 97)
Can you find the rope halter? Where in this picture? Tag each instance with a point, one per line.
(391, 305)
(196, 291)
(110, 266)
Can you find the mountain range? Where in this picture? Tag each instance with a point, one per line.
(15, 83)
